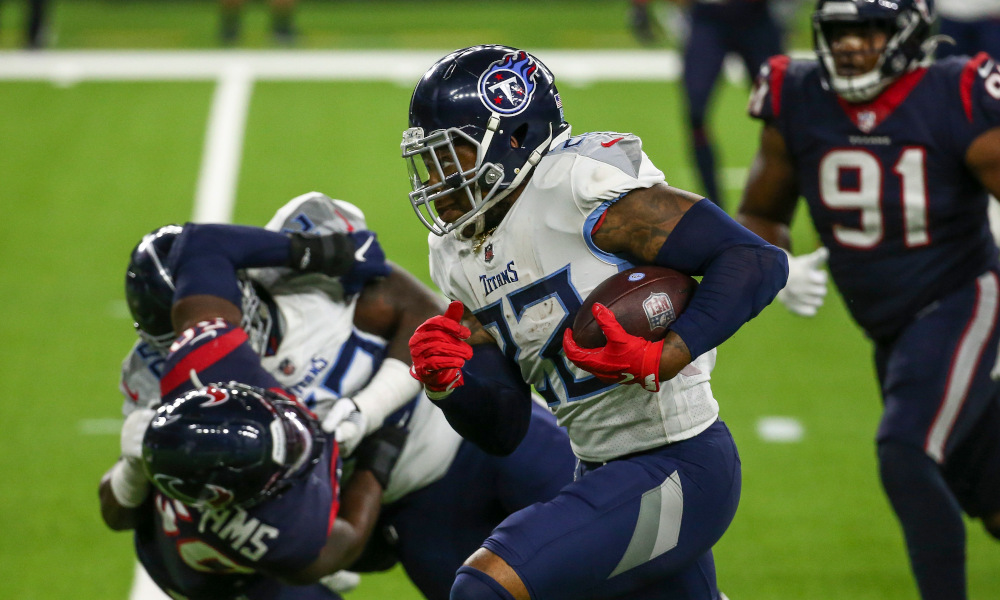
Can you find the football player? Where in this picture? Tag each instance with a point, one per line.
(894, 155)
(526, 219)
(344, 353)
(247, 502)
(717, 28)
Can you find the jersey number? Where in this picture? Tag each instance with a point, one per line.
(865, 195)
(559, 288)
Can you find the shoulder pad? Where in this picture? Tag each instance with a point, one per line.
(620, 150)
(979, 87)
(765, 97)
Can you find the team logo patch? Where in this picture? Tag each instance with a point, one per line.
(636, 276)
(506, 87)
(215, 396)
(867, 119)
(659, 310)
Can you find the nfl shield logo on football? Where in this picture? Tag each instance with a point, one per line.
(659, 310)
(866, 120)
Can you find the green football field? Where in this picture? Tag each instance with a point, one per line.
(91, 162)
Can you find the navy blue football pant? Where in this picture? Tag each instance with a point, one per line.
(439, 526)
(939, 437)
(749, 32)
(640, 527)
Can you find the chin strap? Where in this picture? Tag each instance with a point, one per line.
(478, 223)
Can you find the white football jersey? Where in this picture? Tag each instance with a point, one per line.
(322, 356)
(528, 278)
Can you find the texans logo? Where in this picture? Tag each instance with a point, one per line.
(506, 87)
(215, 396)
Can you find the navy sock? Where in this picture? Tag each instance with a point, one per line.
(930, 517)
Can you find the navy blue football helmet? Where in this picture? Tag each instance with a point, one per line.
(482, 96)
(908, 25)
(230, 445)
(149, 292)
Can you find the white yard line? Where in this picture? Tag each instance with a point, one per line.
(403, 66)
(220, 160)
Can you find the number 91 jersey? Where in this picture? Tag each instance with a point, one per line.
(886, 182)
(526, 281)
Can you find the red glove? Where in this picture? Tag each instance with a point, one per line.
(439, 351)
(626, 358)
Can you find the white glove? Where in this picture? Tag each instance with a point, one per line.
(347, 423)
(133, 431)
(806, 287)
(341, 582)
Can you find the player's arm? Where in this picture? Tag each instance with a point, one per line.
(465, 373)
(771, 191)
(392, 308)
(768, 205)
(125, 487)
(669, 227)
(205, 258)
(983, 158)
(360, 503)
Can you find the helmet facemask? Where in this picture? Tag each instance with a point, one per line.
(500, 101)
(906, 32)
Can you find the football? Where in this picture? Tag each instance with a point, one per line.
(645, 300)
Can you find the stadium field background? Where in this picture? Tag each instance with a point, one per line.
(87, 166)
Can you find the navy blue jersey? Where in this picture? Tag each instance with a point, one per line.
(225, 553)
(886, 182)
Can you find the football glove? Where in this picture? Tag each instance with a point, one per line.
(438, 350)
(625, 359)
(347, 423)
(341, 582)
(806, 287)
(355, 257)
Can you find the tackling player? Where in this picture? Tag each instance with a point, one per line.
(895, 155)
(247, 500)
(345, 354)
(526, 219)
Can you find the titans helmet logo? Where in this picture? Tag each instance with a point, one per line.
(506, 87)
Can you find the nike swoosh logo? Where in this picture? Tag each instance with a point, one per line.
(626, 377)
(612, 142)
(359, 254)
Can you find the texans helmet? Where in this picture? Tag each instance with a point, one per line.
(229, 445)
(908, 25)
(483, 96)
(149, 292)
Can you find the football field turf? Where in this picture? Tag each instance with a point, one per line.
(88, 166)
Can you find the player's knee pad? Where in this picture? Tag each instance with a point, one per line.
(473, 584)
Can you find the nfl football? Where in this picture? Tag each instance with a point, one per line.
(645, 300)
